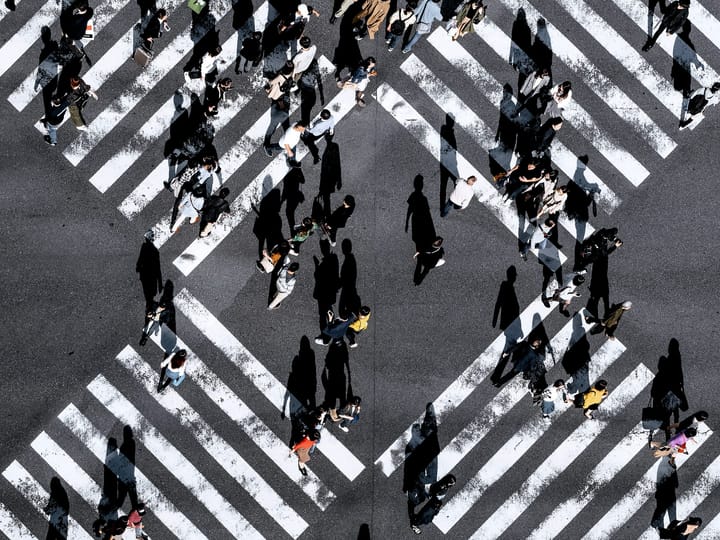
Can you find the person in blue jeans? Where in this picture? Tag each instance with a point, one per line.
(173, 370)
(426, 12)
(350, 413)
(53, 119)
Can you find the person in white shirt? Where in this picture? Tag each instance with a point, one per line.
(303, 58)
(461, 196)
(552, 395)
(567, 292)
(189, 207)
(288, 143)
(323, 126)
(698, 101)
(284, 283)
(173, 370)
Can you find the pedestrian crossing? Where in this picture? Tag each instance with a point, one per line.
(610, 147)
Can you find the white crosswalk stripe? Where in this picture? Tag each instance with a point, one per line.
(23, 38)
(711, 530)
(243, 416)
(700, 489)
(36, 495)
(222, 452)
(4, 10)
(174, 461)
(631, 501)
(566, 452)
(705, 21)
(120, 107)
(97, 444)
(485, 192)
(12, 527)
(259, 375)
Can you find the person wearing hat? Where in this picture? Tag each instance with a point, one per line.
(611, 322)
(673, 20)
(78, 96)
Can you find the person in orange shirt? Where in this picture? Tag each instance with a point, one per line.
(592, 398)
(302, 449)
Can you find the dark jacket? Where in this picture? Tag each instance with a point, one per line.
(73, 24)
(339, 217)
(56, 113)
(213, 207)
(153, 29)
(674, 18)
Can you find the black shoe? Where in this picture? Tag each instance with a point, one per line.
(268, 151)
(316, 160)
(333, 18)
(647, 47)
(303, 470)
(143, 341)
(48, 140)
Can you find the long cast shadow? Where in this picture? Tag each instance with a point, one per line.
(58, 511)
(423, 228)
(302, 379)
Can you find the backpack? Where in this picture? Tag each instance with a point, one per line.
(697, 103)
(397, 27)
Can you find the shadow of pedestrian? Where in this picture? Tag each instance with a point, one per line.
(421, 457)
(107, 505)
(327, 281)
(302, 380)
(347, 53)
(684, 56)
(168, 340)
(292, 195)
(58, 511)
(521, 41)
(668, 387)
(541, 51)
(364, 532)
(507, 307)
(183, 123)
(599, 288)
(576, 360)
(330, 175)
(268, 223)
(506, 134)
(423, 228)
(149, 271)
(580, 198)
(448, 157)
(665, 493)
(349, 298)
(242, 13)
(334, 376)
(126, 473)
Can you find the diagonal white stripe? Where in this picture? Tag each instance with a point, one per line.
(222, 452)
(705, 21)
(12, 527)
(96, 442)
(633, 500)
(711, 530)
(567, 451)
(36, 495)
(426, 135)
(481, 133)
(260, 186)
(171, 458)
(23, 39)
(271, 445)
(620, 158)
(114, 113)
(259, 375)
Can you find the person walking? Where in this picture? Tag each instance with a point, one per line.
(522, 356)
(303, 58)
(155, 317)
(551, 396)
(80, 93)
(590, 400)
(324, 126)
(154, 28)
(439, 490)
(677, 444)
(426, 13)
(567, 292)
(350, 414)
(601, 243)
(546, 135)
(371, 17)
(173, 370)
(693, 421)
(680, 530)
(284, 284)
(431, 257)
(532, 91)
(190, 205)
(359, 325)
(251, 53)
(397, 24)
(338, 219)
(610, 323)
(135, 521)
(461, 196)
(53, 119)
(73, 24)
(468, 15)
(359, 79)
(302, 449)
(673, 20)
(335, 329)
(426, 515)
(211, 211)
(288, 144)
(698, 101)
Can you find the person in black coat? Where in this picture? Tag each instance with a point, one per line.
(73, 20)
(154, 28)
(673, 20)
(338, 219)
(212, 209)
(546, 135)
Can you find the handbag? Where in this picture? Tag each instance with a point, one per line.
(197, 5)
(195, 73)
(650, 418)
(397, 27)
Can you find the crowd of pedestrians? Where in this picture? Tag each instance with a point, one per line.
(532, 185)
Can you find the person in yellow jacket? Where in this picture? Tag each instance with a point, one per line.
(358, 326)
(592, 398)
(374, 12)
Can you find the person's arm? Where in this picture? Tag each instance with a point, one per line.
(166, 362)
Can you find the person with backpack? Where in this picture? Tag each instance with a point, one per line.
(190, 206)
(698, 101)
(399, 21)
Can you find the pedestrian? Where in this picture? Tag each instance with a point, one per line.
(558, 99)
(426, 515)
(269, 260)
(135, 521)
(677, 444)
(532, 91)
(301, 233)
(251, 52)
(610, 323)
(54, 118)
(350, 413)
(553, 203)
(551, 396)
(371, 17)
(461, 196)
(601, 243)
(303, 58)
(215, 93)
(546, 135)
(173, 370)
(425, 13)
(80, 93)
(211, 211)
(292, 26)
(521, 178)
(288, 144)
(468, 15)
(302, 449)
(189, 207)
(359, 325)
(338, 219)
(591, 399)
(567, 292)
(154, 28)
(279, 114)
(344, 6)
(310, 79)
(359, 79)
(673, 20)
(284, 284)
(427, 259)
(689, 422)
(155, 317)
(397, 24)
(73, 24)
(324, 126)
(698, 101)
(440, 489)
(335, 329)
(680, 530)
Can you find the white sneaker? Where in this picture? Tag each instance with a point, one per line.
(293, 253)
(353, 345)
(346, 430)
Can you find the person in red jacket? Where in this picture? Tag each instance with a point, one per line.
(302, 449)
